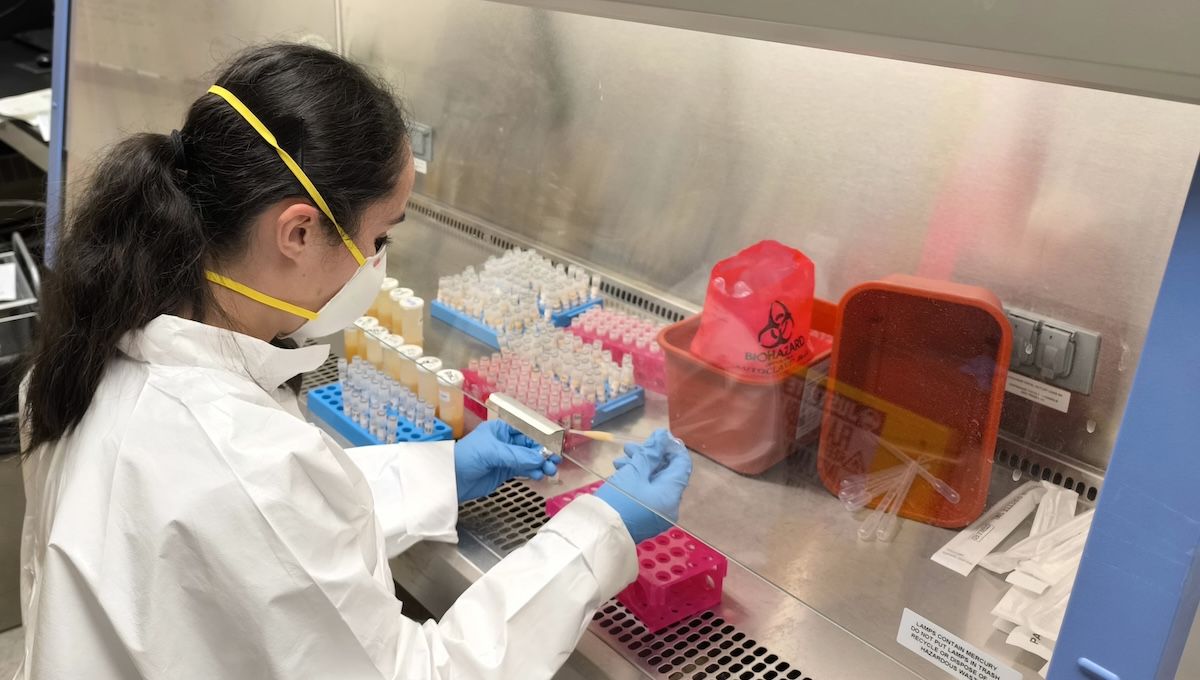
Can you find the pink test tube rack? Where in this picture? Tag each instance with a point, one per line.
(623, 334)
(678, 576)
(491, 374)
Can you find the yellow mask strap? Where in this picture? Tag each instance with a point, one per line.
(292, 165)
(260, 297)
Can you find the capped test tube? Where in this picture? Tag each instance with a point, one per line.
(353, 336)
(374, 351)
(409, 354)
(450, 399)
(392, 360)
(394, 299)
(412, 319)
(430, 424)
(427, 380)
(381, 308)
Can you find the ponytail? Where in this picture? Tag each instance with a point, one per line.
(160, 208)
(132, 251)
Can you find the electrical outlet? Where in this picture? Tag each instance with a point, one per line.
(1053, 351)
(421, 138)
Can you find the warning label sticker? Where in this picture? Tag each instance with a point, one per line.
(948, 651)
(1038, 392)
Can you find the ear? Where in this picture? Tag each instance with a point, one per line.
(297, 229)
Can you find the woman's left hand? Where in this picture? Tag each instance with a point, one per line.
(494, 453)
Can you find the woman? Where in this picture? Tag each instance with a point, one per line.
(183, 520)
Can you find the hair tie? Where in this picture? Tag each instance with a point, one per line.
(179, 151)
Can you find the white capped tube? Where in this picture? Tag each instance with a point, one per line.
(427, 380)
(412, 319)
(381, 308)
(972, 544)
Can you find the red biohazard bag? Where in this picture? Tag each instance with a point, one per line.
(757, 311)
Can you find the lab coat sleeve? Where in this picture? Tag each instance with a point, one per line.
(414, 489)
(271, 568)
(525, 616)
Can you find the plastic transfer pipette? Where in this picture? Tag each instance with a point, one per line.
(601, 436)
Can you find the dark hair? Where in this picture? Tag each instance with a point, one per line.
(150, 222)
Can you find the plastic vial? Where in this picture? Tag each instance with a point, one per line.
(393, 307)
(391, 344)
(429, 419)
(427, 380)
(410, 411)
(343, 369)
(393, 426)
(450, 400)
(372, 348)
(381, 308)
(409, 354)
(412, 319)
(353, 336)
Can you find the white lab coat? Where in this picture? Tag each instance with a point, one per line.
(194, 526)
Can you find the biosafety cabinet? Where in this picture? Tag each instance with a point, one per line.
(1000, 210)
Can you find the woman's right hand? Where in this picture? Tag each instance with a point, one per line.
(648, 485)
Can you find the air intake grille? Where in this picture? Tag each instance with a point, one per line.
(705, 647)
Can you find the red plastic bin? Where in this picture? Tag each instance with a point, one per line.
(746, 423)
(921, 365)
(678, 576)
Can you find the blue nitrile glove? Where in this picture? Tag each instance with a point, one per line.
(494, 453)
(655, 474)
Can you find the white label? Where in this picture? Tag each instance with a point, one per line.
(420, 165)
(1038, 392)
(948, 651)
(8, 281)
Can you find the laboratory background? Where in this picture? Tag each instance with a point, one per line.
(913, 282)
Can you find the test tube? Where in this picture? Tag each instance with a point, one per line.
(430, 423)
(409, 354)
(381, 308)
(450, 400)
(412, 319)
(343, 369)
(353, 336)
(373, 350)
(427, 381)
(393, 426)
(391, 344)
(394, 298)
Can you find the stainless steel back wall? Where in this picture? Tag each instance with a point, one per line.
(655, 152)
(136, 65)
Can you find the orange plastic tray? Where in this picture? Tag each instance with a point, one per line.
(920, 364)
(746, 423)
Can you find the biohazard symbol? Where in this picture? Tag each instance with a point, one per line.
(778, 331)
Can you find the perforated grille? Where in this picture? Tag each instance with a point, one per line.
(324, 375)
(506, 519)
(1066, 477)
(704, 647)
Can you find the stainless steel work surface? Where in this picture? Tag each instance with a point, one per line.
(801, 575)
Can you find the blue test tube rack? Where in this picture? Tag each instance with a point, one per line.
(326, 403)
(606, 411)
(486, 334)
